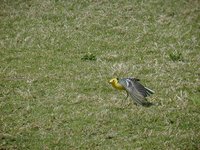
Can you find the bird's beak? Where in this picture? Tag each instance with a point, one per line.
(110, 82)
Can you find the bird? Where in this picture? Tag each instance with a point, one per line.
(134, 88)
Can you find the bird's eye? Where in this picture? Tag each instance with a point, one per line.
(117, 79)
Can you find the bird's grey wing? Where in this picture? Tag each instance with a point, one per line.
(134, 92)
(133, 79)
(143, 90)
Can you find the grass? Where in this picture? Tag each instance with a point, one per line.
(56, 57)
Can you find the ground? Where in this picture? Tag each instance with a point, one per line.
(56, 60)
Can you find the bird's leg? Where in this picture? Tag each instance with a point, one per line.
(127, 95)
(125, 98)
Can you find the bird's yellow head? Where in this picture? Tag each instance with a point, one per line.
(115, 83)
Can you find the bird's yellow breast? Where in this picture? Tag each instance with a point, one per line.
(114, 82)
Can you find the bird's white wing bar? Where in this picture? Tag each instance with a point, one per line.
(128, 82)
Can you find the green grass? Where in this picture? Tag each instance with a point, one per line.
(56, 57)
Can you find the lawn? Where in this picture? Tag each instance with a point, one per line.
(57, 56)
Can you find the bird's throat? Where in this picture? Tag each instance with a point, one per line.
(118, 86)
